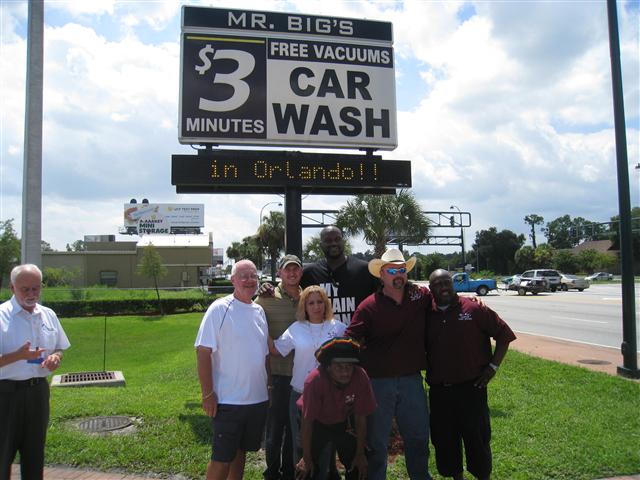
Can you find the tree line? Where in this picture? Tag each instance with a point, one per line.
(379, 218)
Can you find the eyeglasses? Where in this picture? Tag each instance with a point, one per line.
(247, 276)
(395, 271)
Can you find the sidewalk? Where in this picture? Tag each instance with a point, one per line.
(601, 359)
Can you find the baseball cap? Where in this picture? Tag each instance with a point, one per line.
(287, 259)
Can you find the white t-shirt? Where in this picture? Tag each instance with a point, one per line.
(17, 326)
(305, 338)
(237, 333)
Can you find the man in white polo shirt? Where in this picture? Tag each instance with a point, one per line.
(232, 357)
(31, 345)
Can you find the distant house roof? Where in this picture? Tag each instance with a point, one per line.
(174, 240)
(602, 246)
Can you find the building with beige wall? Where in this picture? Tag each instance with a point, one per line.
(187, 259)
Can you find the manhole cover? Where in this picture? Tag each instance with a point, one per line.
(87, 377)
(104, 424)
(593, 361)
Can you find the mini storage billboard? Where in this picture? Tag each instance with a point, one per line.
(159, 218)
(279, 79)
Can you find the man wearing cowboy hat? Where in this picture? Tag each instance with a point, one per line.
(390, 324)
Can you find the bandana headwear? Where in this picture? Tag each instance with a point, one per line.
(338, 349)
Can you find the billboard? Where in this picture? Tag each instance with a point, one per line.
(159, 218)
(267, 78)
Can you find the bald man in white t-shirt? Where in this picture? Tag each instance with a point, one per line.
(232, 357)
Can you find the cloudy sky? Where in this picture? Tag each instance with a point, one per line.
(504, 109)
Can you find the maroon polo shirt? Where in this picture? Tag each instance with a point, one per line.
(392, 333)
(458, 341)
(323, 401)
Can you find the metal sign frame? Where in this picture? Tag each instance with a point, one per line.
(280, 79)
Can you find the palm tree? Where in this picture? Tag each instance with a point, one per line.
(271, 237)
(249, 248)
(380, 217)
(533, 220)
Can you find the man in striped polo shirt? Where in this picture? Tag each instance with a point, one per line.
(280, 310)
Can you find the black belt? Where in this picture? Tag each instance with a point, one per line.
(443, 384)
(29, 382)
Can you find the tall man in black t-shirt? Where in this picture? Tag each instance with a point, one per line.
(346, 280)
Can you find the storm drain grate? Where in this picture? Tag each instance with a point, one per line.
(87, 377)
(593, 361)
(104, 424)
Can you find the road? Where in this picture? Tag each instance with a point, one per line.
(593, 316)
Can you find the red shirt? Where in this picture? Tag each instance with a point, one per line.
(393, 334)
(321, 400)
(458, 341)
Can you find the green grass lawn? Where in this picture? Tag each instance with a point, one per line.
(549, 421)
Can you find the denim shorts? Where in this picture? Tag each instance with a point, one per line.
(237, 427)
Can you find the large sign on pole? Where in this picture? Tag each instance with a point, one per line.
(267, 78)
(162, 218)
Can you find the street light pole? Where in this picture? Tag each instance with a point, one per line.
(464, 259)
(262, 209)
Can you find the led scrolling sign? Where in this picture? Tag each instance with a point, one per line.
(248, 170)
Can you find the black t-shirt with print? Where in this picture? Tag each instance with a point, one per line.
(346, 286)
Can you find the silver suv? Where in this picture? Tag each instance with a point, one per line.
(551, 276)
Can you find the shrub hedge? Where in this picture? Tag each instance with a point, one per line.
(85, 308)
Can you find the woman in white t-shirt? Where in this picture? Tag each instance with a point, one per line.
(313, 326)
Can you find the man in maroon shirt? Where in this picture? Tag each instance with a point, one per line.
(335, 402)
(460, 364)
(391, 323)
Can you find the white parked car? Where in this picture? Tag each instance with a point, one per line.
(551, 276)
(600, 276)
(571, 281)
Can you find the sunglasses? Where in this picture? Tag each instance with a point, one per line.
(395, 271)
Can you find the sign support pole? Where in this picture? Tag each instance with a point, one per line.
(293, 221)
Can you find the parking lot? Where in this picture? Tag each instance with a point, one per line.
(593, 316)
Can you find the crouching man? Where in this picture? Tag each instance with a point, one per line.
(335, 402)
